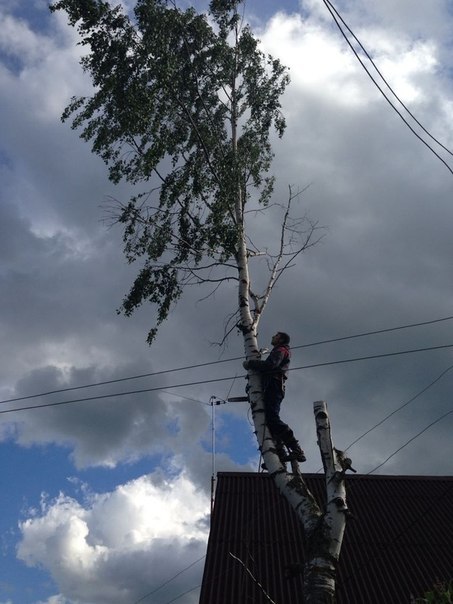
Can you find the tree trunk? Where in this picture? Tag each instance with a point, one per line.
(324, 543)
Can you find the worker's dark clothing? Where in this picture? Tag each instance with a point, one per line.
(274, 372)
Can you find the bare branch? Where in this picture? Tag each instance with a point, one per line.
(199, 280)
(227, 330)
(275, 261)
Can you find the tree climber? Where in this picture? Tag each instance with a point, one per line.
(274, 373)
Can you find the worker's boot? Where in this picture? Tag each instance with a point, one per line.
(295, 452)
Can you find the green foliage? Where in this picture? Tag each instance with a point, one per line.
(185, 104)
(442, 593)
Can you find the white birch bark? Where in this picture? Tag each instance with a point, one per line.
(324, 543)
(323, 534)
(291, 485)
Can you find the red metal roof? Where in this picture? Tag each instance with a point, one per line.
(399, 543)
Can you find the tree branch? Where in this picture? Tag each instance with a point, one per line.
(275, 269)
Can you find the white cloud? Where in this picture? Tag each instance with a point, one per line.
(58, 599)
(97, 551)
(44, 68)
(21, 42)
(323, 65)
(314, 57)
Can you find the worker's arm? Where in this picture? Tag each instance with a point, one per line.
(273, 361)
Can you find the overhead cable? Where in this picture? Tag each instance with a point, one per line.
(333, 13)
(443, 416)
(371, 356)
(222, 379)
(368, 56)
(210, 363)
(188, 591)
(169, 581)
(411, 400)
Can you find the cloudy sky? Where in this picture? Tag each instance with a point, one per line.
(107, 500)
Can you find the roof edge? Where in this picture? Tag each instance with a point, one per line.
(349, 476)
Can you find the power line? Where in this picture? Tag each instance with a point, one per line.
(222, 379)
(184, 594)
(170, 580)
(332, 11)
(366, 53)
(372, 356)
(115, 381)
(209, 363)
(411, 400)
(443, 416)
(115, 394)
(187, 398)
(375, 332)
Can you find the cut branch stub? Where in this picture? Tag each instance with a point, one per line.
(320, 410)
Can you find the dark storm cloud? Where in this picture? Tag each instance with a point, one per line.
(385, 261)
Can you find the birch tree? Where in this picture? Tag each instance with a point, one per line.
(184, 105)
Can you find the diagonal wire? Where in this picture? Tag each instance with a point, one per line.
(366, 53)
(411, 400)
(169, 581)
(331, 11)
(443, 416)
(188, 591)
